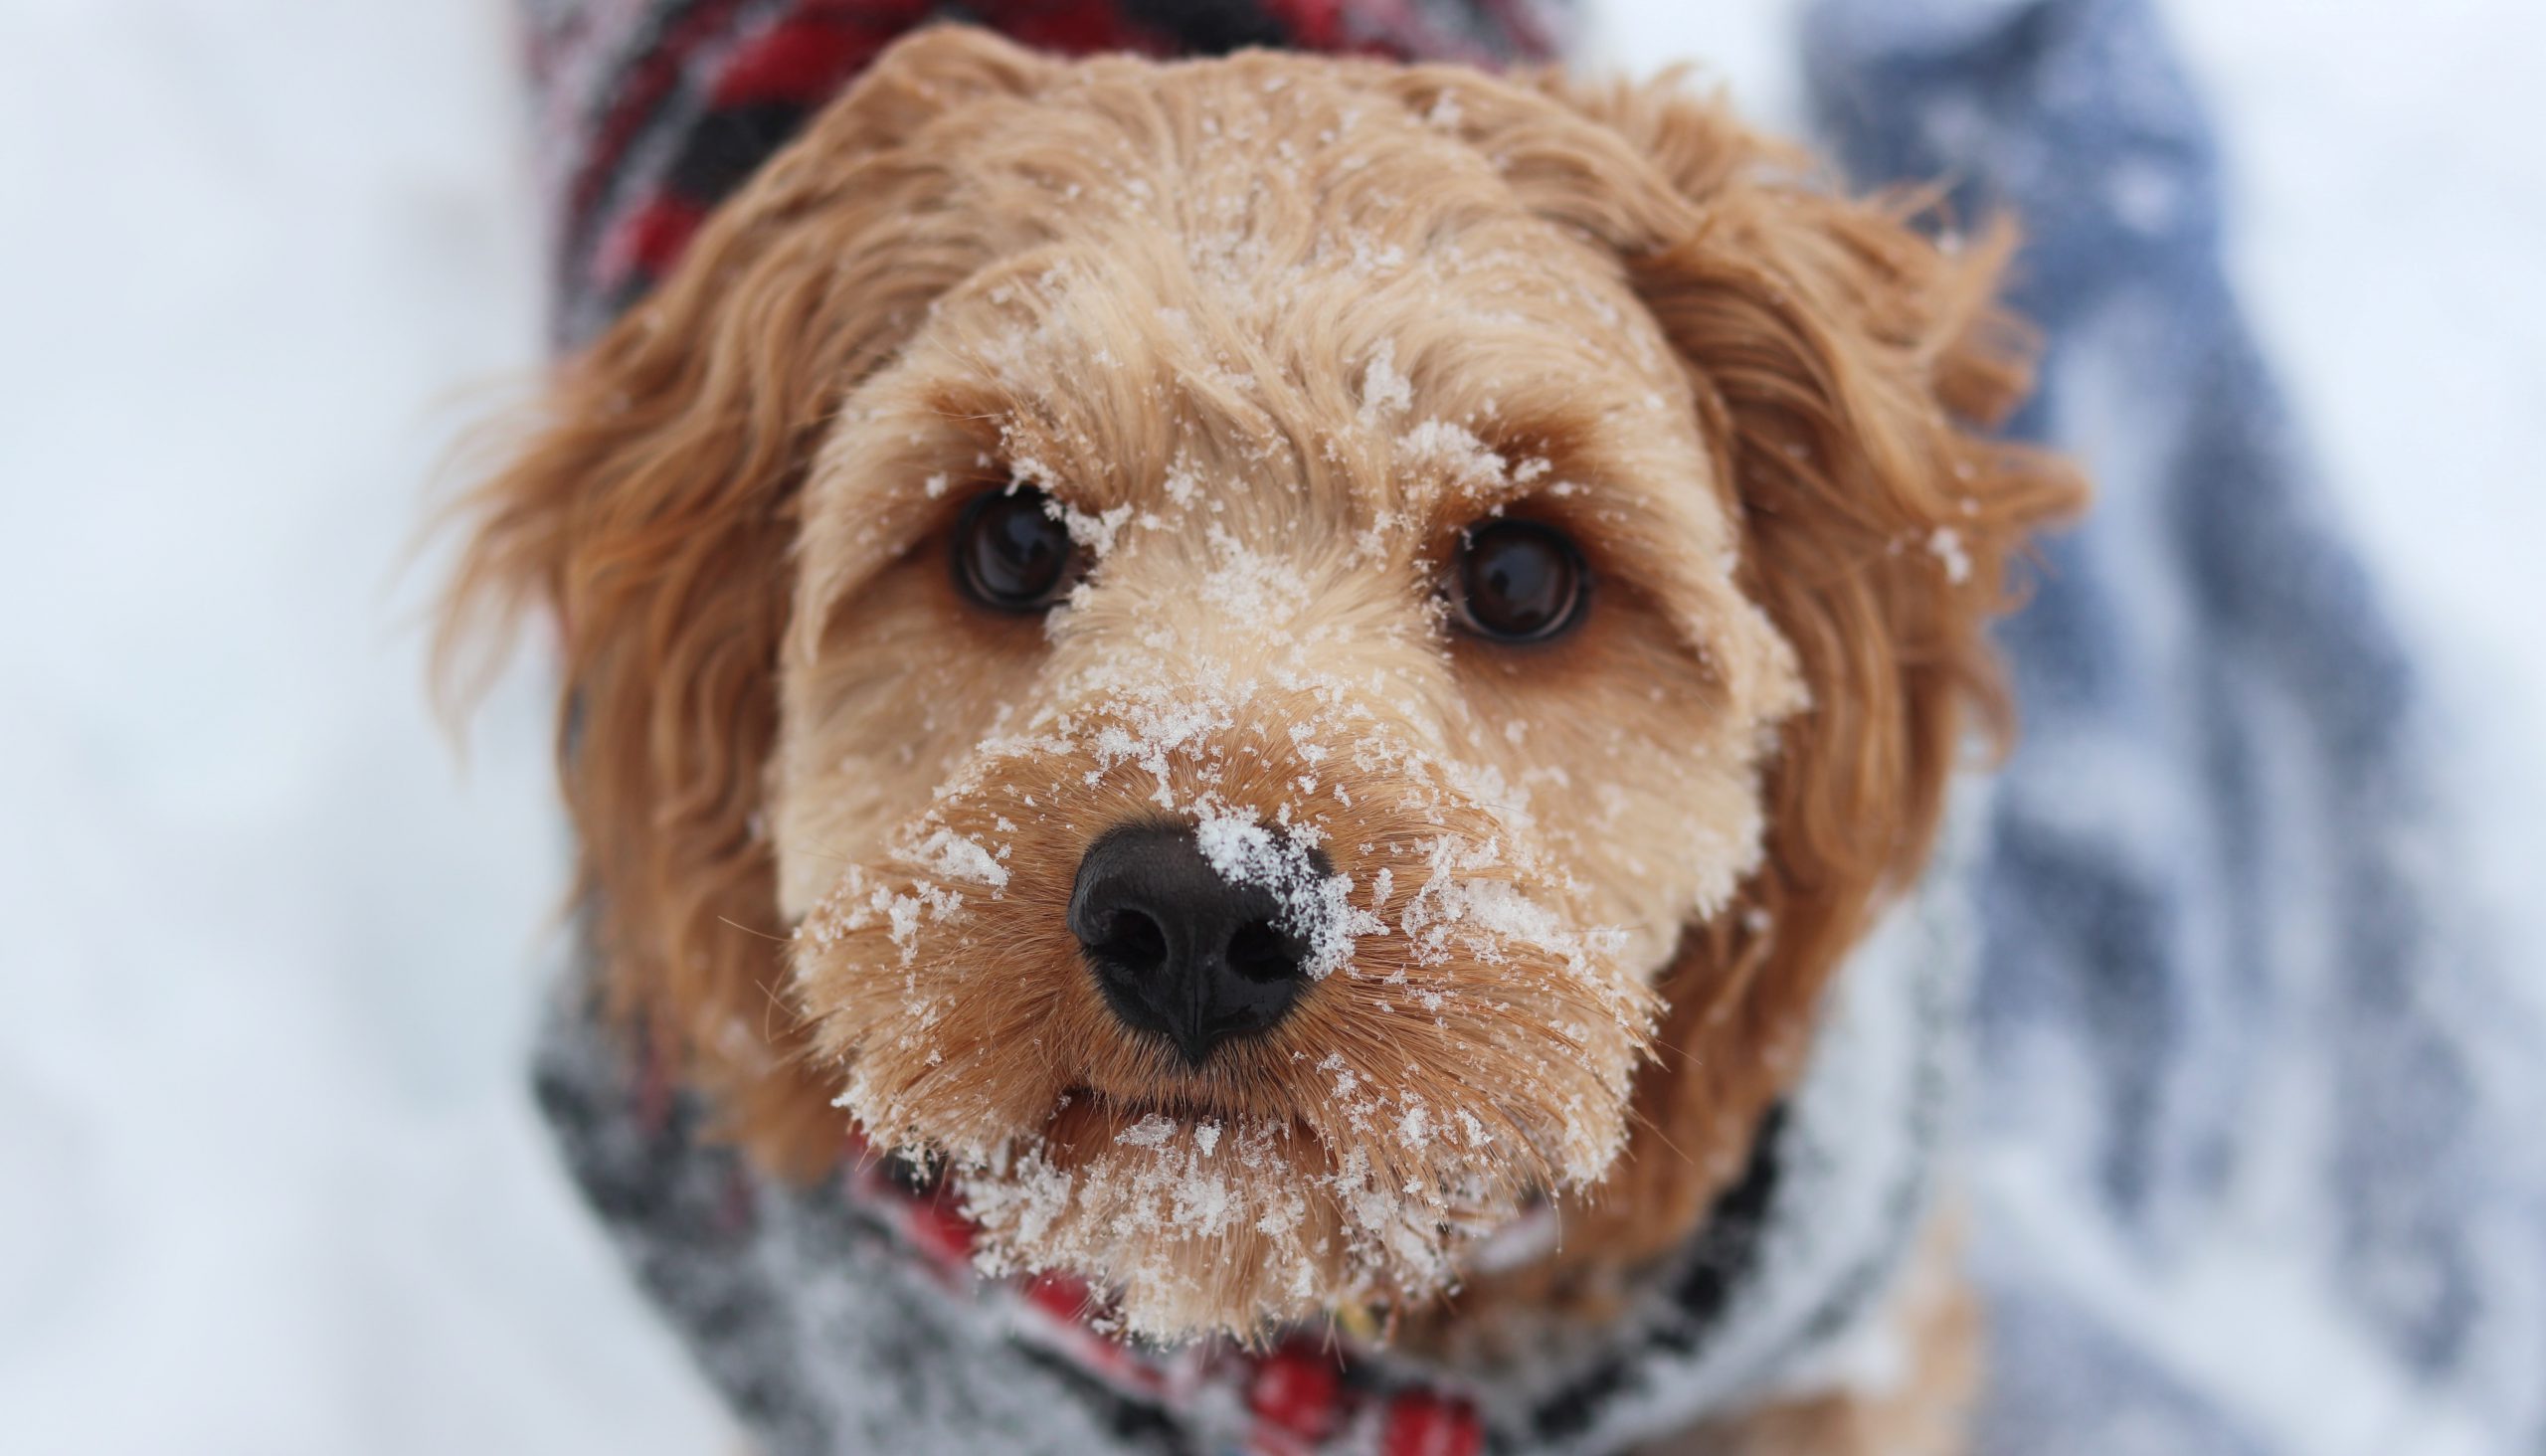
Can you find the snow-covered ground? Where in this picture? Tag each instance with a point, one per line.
(268, 1181)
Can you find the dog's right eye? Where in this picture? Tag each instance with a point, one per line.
(1518, 581)
(1011, 551)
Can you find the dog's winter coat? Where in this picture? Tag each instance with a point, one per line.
(1833, 357)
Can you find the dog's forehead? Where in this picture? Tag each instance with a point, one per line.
(1293, 275)
(1511, 332)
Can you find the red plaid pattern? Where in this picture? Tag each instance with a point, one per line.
(684, 99)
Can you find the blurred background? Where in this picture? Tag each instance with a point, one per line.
(270, 1181)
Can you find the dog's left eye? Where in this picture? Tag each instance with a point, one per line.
(1011, 552)
(1518, 581)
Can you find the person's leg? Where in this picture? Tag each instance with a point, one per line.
(2206, 895)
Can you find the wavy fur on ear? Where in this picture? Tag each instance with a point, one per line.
(652, 512)
(1848, 367)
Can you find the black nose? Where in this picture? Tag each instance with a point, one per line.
(1177, 949)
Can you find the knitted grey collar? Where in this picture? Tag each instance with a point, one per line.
(846, 1318)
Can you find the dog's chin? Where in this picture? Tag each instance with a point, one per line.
(1281, 1187)
(1195, 1224)
(1323, 1191)
(1203, 1224)
(1469, 1057)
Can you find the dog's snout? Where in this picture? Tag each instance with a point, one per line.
(1177, 949)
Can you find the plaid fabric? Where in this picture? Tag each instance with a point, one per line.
(846, 1317)
(651, 111)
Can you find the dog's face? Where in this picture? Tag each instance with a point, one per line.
(1267, 691)
(1226, 617)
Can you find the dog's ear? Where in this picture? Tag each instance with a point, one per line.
(651, 508)
(1848, 366)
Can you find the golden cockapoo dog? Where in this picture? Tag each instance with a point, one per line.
(1275, 661)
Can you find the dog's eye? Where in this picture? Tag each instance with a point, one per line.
(1518, 582)
(1010, 552)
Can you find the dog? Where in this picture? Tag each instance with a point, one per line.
(1290, 678)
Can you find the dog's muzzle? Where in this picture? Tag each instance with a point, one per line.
(1178, 951)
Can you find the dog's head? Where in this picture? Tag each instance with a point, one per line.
(1303, 653)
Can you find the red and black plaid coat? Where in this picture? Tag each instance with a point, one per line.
(653, 112)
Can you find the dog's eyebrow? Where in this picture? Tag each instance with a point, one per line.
(1636, 481)
(886, 474)
(1580, 450)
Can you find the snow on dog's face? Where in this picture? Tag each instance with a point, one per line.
(1249, 625)
(1257, 523)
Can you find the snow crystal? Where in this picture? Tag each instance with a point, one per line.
(1030, 469)
(1457, 451)
(1095, 533)
(1149, 1132)
(1313, 907)
(1253, 588)
(1946, 546)
(1384, 392)
(952, 856)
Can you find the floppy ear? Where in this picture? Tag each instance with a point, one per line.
(1847, 368)
(652, 510)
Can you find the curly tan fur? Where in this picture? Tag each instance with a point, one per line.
(1275, 330)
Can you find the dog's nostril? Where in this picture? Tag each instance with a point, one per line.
(1259, 952)
(1133, 942)
(1175, 948)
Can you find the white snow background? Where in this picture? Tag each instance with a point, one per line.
(270, 1182)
